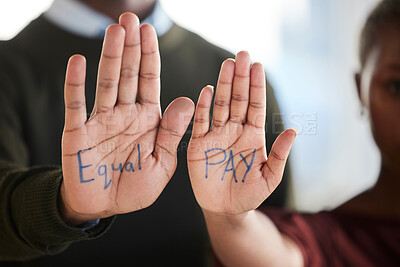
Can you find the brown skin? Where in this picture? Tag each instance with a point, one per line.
(126, 114)
(378, 85)
(114, 8)
(251, 238)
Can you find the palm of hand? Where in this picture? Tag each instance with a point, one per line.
(228, 166)
(113, 154)
(122, 157)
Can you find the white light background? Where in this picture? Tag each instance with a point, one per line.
(308, 48)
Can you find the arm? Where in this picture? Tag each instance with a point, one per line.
(121, 158)
(250, 239)
(117, 161)
(30, 222)
(230, 172)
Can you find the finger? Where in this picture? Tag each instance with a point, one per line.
(149, 77)
(173, 125)
(257, 104)
(275, 165)
(240, 92)
(109, 68)
(128, 83)
(222, 100)
(74, 93)
(201, 123)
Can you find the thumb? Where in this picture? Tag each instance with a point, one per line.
(173, 125)
(273, 168)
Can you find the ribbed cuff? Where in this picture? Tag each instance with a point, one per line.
(35, 212)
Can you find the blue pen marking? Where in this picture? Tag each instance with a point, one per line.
(138, 147)
(103, 171)
(248, 165)
(230, 160)
(213, 163)
(129, 167)
(117, 169)
(81, 167)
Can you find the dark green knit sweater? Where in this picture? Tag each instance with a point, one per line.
(32, 69)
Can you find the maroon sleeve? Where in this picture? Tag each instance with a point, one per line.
(334, 239)
(340, 239)
(298, 228)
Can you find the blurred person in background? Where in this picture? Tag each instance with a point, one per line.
(32, 67)
(364, 231)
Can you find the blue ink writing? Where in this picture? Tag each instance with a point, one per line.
(248, 166)
(129, 167)
(81, 167)
(138, 147)
(230, 160)
(102, 171)
(230, 164)
(116, 169)
(213, 163)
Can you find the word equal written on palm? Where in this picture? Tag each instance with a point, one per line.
(121, 158)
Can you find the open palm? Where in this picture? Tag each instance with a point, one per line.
(121, 158)
(228, 164)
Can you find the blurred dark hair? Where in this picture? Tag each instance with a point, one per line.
(385, 11)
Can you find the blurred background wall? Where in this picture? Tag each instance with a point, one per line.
(309, 50)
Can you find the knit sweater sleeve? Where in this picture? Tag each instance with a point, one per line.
(30, 223)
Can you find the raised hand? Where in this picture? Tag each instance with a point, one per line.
(228, 164)
(121, 158)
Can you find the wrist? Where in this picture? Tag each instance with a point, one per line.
(68, 214)
(225, 219)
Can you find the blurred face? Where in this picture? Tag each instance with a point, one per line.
(379, 89)
(128, 4)
(114, 8)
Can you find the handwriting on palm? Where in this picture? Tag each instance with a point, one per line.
(121, 158)
(228, 165)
